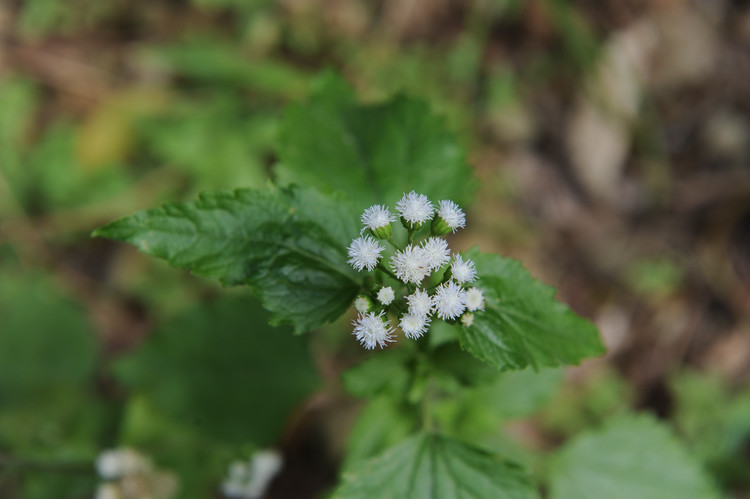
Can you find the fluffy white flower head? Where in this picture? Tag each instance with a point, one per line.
(371, 330)
(116, 463)
(453, 216)
(364, 253)
(361, 304)
(436, 252)
(414, 326)
(410, 265)
(449, 300)
(463, 271)
(377, 216)
(386, 295)
(420, 303)
(474, 299)
(250, 479)
(415, 208)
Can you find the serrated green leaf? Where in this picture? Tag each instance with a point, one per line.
(436, 467)
(383, 423)
(522, 324)
(288, 244)
(632, 456)
(221, 369)
(374, 153)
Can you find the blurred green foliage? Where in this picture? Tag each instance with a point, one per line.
(208, 115)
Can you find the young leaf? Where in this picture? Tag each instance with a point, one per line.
(633, 456)
(432, 466)
(288, 244)
(374, 153)
(385, 372)
(522, 324)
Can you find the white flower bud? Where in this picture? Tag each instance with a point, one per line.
(378, 219)
(386, 295)
(449, 218)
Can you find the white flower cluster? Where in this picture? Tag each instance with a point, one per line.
(416, 298)
(130, 474)
(250, 479)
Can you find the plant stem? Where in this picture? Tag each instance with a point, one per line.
(387, 271)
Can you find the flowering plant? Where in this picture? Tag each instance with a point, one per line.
(299, 246)
(410, 266)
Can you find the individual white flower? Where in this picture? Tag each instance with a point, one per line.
(372, 330)
(108, 491)
(463, 271)
(420, 303)
(415, 209)
(449, 300)
(364, 253)
(116, 463)
(386, 295)
(362, 304)
(436, 252)
(474, 299)
(414, 326)
(378, 219)
(250, 479)
(467, 319)
(410, 265)
(449, 218)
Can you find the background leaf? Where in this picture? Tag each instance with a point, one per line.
(222, 370)
(374, 153)
(288, 244)
(432, 466)
(522, 324)
(632, 456)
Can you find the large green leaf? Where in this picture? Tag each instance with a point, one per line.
(221, 369)
(434, 467)
(288, 244)
(374, 153)
(522, 324)
(633, 456)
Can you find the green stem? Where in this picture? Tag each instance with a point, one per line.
(387, 271)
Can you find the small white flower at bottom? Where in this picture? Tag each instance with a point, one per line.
(377, 216)
(467, 319)
(410, 264)
(386, 295)
(420, 303)
(250, 479)
(453, 216)
(474, 299)
(364, 253)
(463, 271)
(371, 330)
(436, 252)
(415, 208)
(116, 463)
(449, 300)
(108, 491)
(414, 326)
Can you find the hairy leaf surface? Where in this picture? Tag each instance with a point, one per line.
(436, 467)
(288, 244)
(374, 153)
(522, 324)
